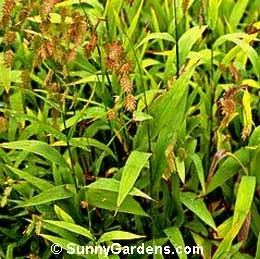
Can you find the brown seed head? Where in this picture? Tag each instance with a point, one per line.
(9, 37)
(111, 115)
(130, 103)
(45, 25)
(77, 29)
(46, 50)
(89, 48)
(126, 68)
(9, 58)
(113, 65)
(84, 204)
(115, 51)
(25, 76)
(48, 5)
(126, 84)
(8, 6)
(54, 87)
(185, 5)
(71, 55)
(3, 124)
(24, 13)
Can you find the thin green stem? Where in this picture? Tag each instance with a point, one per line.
(177, 40)
(69, 149)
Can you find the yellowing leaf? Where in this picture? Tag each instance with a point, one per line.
(247, 115)
(251, 83)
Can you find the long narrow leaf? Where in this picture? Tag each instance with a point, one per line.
(36, 181)
(242, 207)
(72, 227)
(175, 237)
(56, 193)
(118, 235)
(39, 148)
(131, 171)
(198, 207)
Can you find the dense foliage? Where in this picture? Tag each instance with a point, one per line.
(130, 120)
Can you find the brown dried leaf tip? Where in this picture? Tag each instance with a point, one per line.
(244, 231)
(251, 29)
(228, 106)
(234, 72)
(130, 2)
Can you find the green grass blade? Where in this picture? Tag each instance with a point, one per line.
(242, 207)
(199, 168)
(198, 207)
(228, 169)
(118, 235)
(36, 181)
(213, 12)
(108, 200)
(134, 23)
(237, 13)
(38, 147)
(175, 237)
(113, 185)
(131, 171)
(72, 228)
(56, 193)
(257, 255)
